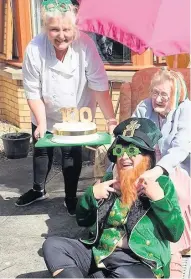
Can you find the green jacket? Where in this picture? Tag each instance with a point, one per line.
(149, 238)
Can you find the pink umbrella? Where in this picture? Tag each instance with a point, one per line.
(162, 25)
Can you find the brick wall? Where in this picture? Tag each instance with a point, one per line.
(14, 108)
(13, 105)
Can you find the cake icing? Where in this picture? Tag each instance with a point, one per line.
(75, 132)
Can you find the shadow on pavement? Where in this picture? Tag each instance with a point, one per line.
(38, 274)
(24, 229)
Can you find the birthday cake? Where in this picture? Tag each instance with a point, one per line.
(71, 130)
(76, 132)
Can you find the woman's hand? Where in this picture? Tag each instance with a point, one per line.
(111, 124)
(40, 131)
(102, 190)
(152, 174)
(106, 106)
(150, 188)
(38, 109)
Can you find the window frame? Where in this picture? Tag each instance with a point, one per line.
(36, 24)
(23, 31)
(2, 25)
(106, 61)
(8, 27)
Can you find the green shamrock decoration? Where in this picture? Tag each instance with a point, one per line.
(118, 150)
(52, 5)
(131, 150)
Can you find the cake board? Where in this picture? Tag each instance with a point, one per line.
(103, 138)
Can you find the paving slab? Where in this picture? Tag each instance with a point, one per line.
(21, 256)
(24, 229)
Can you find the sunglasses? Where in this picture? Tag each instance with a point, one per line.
(131, 150)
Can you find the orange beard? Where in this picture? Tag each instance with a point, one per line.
(127, 180)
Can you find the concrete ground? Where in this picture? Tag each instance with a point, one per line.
(23, 230)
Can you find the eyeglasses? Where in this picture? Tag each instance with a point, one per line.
(53, 5)
(131, 150)
(155, 93)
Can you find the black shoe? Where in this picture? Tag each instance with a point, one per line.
(70, 204)
(30, 197)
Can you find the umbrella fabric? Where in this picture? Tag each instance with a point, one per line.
(162, 25)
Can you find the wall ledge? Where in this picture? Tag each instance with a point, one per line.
(15, 73)
(10, 72)
(117, 76)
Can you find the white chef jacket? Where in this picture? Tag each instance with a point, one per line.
(63, 84)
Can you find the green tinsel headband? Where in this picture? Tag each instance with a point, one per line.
(53, 5)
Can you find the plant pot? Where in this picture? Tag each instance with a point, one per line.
(16, 145)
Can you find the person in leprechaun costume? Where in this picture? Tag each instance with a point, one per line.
(130, 221)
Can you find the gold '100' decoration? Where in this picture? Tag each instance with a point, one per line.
(74, 115)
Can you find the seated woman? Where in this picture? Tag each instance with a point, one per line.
(130, 223)
(169, 108)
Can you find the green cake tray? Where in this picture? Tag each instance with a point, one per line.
(103, 138)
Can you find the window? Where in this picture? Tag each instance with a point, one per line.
(159, 60)
(15, 51)
(111, 51)
(15, 30)
(6, 30)
(36, 22)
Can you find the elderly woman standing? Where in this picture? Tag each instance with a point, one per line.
(170, 109)
(62, 68)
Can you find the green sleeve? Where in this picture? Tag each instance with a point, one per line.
(86, 211)
(168, 212)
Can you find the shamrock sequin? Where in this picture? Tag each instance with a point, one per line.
(111, 235)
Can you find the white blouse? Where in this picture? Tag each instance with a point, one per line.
(63, 84)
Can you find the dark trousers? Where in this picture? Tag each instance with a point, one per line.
(71, 166)
(78, 262)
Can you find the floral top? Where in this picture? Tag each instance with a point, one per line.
(157, 153)
(111, 235)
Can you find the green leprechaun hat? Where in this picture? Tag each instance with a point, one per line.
(140, 132)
